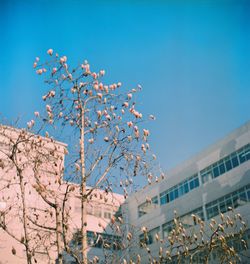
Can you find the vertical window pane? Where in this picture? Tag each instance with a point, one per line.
(171, 196)
(235, 161)
(196, 182)
(181, 190)
(176, 195)
(228, 164)
(216, 171)
(191, 184)
(242, 157)
(222, 167)
(186, 188)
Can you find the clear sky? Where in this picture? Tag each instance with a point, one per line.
(191, 57)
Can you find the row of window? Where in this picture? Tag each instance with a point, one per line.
(99, 240)
(179, 190)
(215, 255)
(214, 208)
(226, 164)
(187, 220)
(106, 241)
(213, 171)
(234, 199)
(97, 211)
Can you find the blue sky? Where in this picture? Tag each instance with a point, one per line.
(193, 60)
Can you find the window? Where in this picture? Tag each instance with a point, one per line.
(228, 164)
(234, 200)
(107, 215)
(179, 190)
(167, 228)
(150, 237)
(234, 159)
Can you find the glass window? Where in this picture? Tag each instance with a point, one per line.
(191, 184)
(242, 156)
(171, 196)
(222, 167)
(248, 194)
(196, 182)
(186, 188)
(235, 161)
(181, 190)
(247, 152)
(243, 196)
(216, 171)
(107, 215)
(155, 200)
(228, 164)
(223, 207)
(176, 195)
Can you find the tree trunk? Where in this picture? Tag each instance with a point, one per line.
(83, 193)
(59, 234)
(24, 211)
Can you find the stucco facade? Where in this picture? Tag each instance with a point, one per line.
(39, 163)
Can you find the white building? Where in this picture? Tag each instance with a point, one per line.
(205, 185)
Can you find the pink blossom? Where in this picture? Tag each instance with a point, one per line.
(123, 111)
(50, 52)
(137, 134)
(106, 139)
(129, 96)
(106, 88)
(119, 84)
(31, 123)
(40, 71)
(101, 86)
(108, 117)
(63, 59)
(95, 86)
(145, 132)
(130, 124)
(54, 70)
(71, 122)
(52, 93)
(99, 113)
(102, 72)
(94, 75)
(36, 114)
(34, 65)
(48, 108)
(125, 104)
(37, 58)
